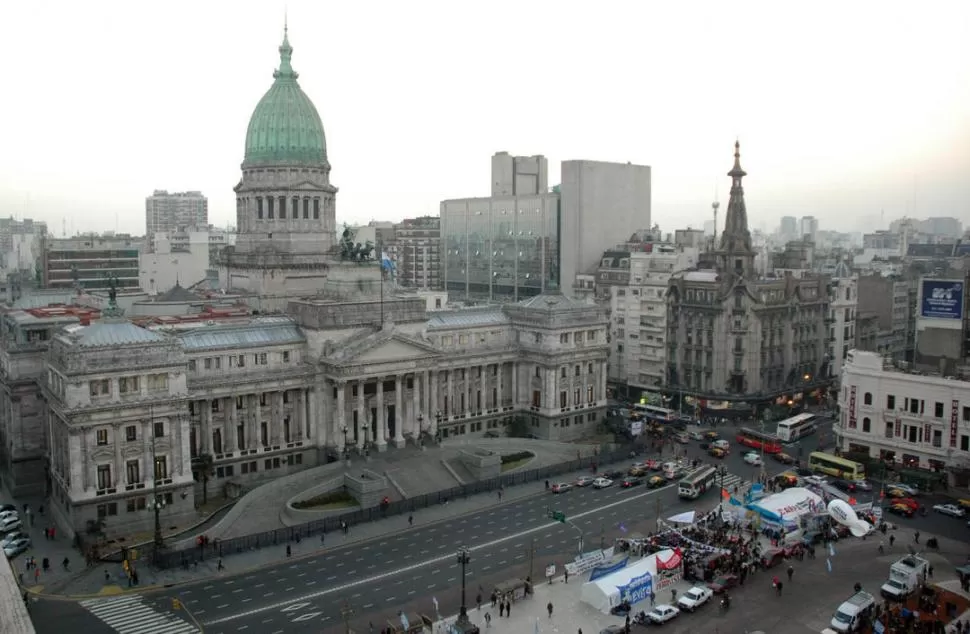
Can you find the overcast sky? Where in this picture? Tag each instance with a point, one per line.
(844, 110)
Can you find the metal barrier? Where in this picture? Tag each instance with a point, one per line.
(169, 558)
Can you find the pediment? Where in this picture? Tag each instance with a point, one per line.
(393, 349)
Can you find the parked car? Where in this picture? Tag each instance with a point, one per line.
(16, 547)
(9, 537)
(783, 458)
(491, 433)
(5, 514)
(722, 444)
(639, 469)
(612, 474)
(963, 503)
(584, 481)
(662, 613)
(710, 435)
(631, 482)
(815, 480)
(753, 459)
(950, 509)
(862, 485)
(772, 557)
(901, 509)
(694, 598)
(6, 508)
(722, 583)
(10, 523)
(602, 483)
(844, 485)
(561, 487)
(802, 472)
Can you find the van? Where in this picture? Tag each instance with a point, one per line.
(904, 577)
(721, 444)
(851, 614)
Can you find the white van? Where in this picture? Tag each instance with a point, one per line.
(849, 616)
(904, 577)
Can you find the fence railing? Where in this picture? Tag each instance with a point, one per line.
(171, 558)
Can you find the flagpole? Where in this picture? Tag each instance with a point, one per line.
(380, 267)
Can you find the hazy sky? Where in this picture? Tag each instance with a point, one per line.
(843, 109)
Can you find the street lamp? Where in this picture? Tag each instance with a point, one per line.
(464, 558)
(437, 417)
(157, 504)
(343, 428)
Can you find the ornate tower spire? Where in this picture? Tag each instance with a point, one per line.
(735, 237)
(286, 54)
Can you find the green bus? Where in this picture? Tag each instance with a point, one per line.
(835, 466)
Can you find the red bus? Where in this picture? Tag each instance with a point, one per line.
(769, 443)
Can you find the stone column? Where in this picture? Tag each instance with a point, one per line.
(206, 444)
(257, 422)
(469, 405)
(339, 413)
(499, 375)
(398, 412)
(602, 397)
(483, 369)
(450, 395)
(148, 473)
(363, 419)
(416, 405)
(119, 464)
(381, 439)
(434, 394)
(515, 384)
(233, 442)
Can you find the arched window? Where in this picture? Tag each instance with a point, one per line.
(867, 398)
(866, 425)
(295, 207)
(306, 208)
(316, 209)
(282, 207)
(259, 207)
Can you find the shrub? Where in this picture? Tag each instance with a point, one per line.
(340, 496)
(515, 457)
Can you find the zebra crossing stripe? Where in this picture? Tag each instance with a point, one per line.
(131, 615)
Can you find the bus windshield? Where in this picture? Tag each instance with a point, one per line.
(835, 466)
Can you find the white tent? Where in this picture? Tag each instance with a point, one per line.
(683, 518)
(604, 593)
(788, 505)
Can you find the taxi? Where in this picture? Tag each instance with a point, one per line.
(656, 481)
(711, 435)
(964, 503)
(716, 452)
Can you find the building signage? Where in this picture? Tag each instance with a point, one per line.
(852, 420)
(927, 433)
(941, 299)
(638, 589)
(954, 419)
(588, 561)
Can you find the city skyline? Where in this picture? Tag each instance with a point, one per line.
(827, 133)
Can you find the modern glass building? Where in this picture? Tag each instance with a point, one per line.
(501, 249)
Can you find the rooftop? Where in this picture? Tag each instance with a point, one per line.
(468, 318)
(53, 314)
(112, 333)
(258, 332)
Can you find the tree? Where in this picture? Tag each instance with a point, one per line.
(202, 466)
(518, 428)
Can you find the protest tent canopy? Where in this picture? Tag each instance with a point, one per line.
(683, 518)
(604, 593)
(788, 505)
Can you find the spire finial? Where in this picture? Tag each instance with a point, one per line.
(286, 23)
(286, 53)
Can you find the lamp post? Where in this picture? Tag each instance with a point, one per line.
(464, 558)
(343, 428)
(437, 418)
(157, 504)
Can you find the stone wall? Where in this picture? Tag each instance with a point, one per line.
(367, 487)
(481, 463)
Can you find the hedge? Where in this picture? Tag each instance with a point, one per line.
(515, 457)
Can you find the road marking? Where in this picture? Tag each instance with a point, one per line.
(259, 585)
(237, 590)
(215, 596)
(224, 605)
(302, 574)
(440, 559)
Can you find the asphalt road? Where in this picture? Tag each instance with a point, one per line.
(376, 579)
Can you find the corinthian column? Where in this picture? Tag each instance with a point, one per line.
(398, 412)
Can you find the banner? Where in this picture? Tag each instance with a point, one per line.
(602, 571)
(672, 563)
(588, 561)
(852, 420)
(941, 299)
(638, 589)
(954, 419)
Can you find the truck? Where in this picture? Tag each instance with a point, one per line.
(904, 577)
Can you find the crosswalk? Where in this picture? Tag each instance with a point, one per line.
(133, 615)
(731, 480)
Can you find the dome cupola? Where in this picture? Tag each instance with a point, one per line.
(285, 128)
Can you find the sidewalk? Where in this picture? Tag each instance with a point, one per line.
(92, 580)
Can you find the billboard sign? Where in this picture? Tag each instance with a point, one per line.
(941, 299)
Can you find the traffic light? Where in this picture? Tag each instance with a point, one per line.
(176, 604)
(559, 516)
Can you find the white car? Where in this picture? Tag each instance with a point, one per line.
(752, 459)
(694, 598)
(5, 514)
(10, 523)
(816, 480)
(905, 488)
(662, 614)
(12, 537)
(950, 509)
(602, 483)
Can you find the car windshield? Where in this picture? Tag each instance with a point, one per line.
(895, 584)
(694, 594)
(842, 617)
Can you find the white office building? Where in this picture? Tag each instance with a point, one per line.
(911, 420)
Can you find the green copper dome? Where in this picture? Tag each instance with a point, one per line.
(285, 127)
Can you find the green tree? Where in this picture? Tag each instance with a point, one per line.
(202, 466)
(518, 428)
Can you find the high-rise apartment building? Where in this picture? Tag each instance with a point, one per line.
(174, 212)
(90, 261)
(789, 228)
(809, 228)
(519, 175)
(414, 246)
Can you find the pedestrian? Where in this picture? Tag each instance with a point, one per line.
(288, 551)
(107, 576)
(36, 575)
(500, 495)
(565, 575)
(220, 567)
(41, 509)
(501, 608)
(488, 620)
(916, 537)
(410, 520)
(494, 599)
(323, 538)
(791, 571)
(779, 588)
(66, 563)
(892, 539)
(508, 609)
(930, 570)
(549, 608)
(47, 564)
(547, 485)
(653, 599)
(478, 600)
(881, 548)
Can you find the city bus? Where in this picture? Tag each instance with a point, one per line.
(652, 413)
(767, 443)
(697, 482)
(835, 466)
(799, 426)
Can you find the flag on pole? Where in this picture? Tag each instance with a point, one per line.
(828, 564)
(404, 621)
(831, 549)
(435, 601)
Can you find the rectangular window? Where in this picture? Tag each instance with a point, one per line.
(208, 364)
(563, 399)
(282, 208)
(131, 433)
(159, 429)
(966, 414)
(938, 410)
(192, 365)
(161, 467)
(133, 472)
(316, 209)
(101, 387)
(306, 208)
(890, 401)
(937, 438)
(102, 436)
(270, 207)
(264, 434)
(128, 385)
(576, 394)
(889, 430)
(286, 356)
(104, 477)
(159, 382)
(295, 208)
(259, 208)
(589, 394)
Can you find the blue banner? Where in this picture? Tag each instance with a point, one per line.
(601, 571)
(941, 299)
(637, 590)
